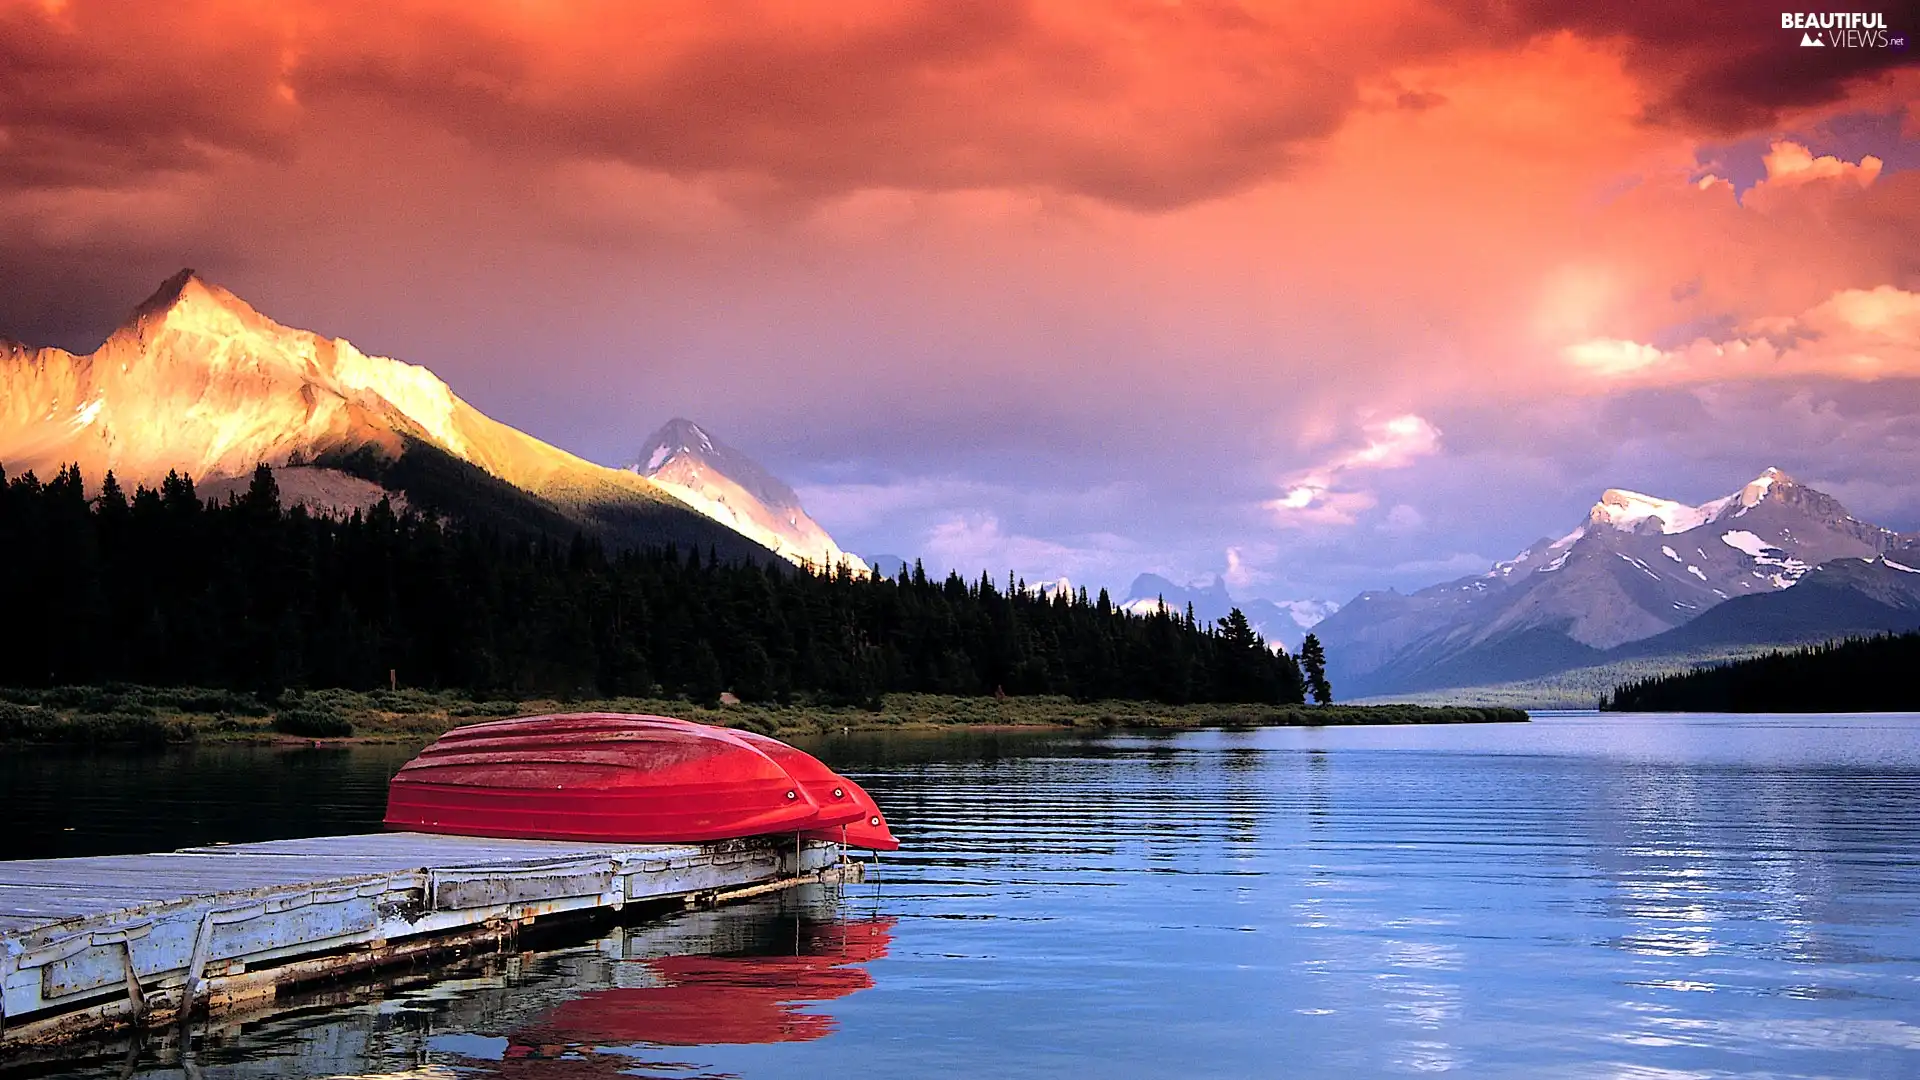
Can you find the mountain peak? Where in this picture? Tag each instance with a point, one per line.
(167, 294)
(1760, 486)
(1630, 511)
(684, 431)
(682, 441)
(730, 487)
(188, 297)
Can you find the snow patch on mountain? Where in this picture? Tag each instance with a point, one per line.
(1629, 510)
(1059, 586)
(1787, 570)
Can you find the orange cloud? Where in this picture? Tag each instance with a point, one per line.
(1791, 165)
(1145, 105)
(999, 202)
(1856, 334)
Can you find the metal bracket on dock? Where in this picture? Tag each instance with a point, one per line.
(74, 944)
(203, 944)
(136, 998)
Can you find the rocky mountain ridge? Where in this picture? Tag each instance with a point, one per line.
(1638, 567)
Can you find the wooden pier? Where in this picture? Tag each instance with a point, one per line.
(88, 945)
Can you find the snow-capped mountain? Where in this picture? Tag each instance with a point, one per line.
(199, 382)
(732, 489)
(1060, 586)
(1281, 622)
(1637, 567)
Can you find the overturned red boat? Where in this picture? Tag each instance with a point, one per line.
(597, 777)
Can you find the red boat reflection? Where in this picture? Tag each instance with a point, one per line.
(709, 1000)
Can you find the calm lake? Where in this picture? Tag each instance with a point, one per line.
(1604, 896)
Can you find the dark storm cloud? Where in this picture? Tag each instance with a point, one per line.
(105, 93)
(1723, 66)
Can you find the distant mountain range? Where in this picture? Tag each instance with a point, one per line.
(198, 382)
(1282, 622)
(1773, 563)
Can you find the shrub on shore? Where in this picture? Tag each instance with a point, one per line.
(312, 723)
(37, 724)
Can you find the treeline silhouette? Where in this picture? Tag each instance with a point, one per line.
(161, 588)
(1873, 674)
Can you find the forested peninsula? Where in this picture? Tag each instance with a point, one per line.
(1876, 674)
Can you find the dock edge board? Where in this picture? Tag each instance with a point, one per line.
(73, 978)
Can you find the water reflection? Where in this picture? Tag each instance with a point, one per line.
(704, 1000)
(637, 1000)
(1586, 897)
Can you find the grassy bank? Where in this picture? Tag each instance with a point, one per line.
(154, 715)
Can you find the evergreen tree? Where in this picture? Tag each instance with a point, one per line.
(704, 678)
(1313, 665)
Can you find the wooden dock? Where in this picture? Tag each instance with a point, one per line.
(88, 945)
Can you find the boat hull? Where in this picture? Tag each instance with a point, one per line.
(596, 777)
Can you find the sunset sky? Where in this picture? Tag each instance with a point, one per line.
(1326, 296)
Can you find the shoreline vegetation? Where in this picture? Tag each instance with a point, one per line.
(158, 716)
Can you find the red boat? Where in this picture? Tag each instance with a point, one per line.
(870, 833)
(598, 777)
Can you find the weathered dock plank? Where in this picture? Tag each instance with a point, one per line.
(95, 942)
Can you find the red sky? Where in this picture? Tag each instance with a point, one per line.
(1365, 294)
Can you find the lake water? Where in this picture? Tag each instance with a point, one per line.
(1583, 896)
